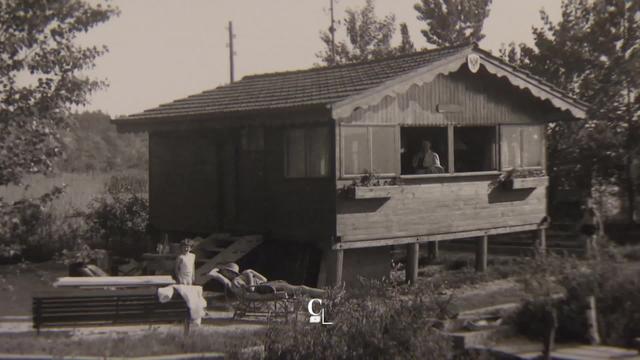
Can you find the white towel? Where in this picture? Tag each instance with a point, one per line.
(165, 294)
(192, 295)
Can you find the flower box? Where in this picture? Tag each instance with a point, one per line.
(372, 192)
(526, 182)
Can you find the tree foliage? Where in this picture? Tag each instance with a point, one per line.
(406, 45)
(91, 143)
(593, 52)
(452, 22)
(40, 77)
(367, 37)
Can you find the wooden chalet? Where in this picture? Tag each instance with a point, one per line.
(277, 154)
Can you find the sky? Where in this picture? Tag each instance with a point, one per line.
(162, 50)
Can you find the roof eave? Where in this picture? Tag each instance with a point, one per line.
(342, 109)
(138, 123)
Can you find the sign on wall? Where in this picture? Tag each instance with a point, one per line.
(473, 62)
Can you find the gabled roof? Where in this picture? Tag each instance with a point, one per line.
(331, 85)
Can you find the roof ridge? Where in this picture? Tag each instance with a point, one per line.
(360, 63)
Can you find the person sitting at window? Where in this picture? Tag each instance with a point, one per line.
(229, 274)
(426, 161)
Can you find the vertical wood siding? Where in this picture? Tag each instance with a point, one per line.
(484, 99)
(183, 182)
(299, 210)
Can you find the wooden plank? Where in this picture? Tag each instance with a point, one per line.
(240, 247)
(374, 192)
(354, 244)
(527, 183)
(115, 281)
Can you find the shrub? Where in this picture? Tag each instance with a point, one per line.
(375, 321)
(119, 222)
(29, 228)
(616, 289)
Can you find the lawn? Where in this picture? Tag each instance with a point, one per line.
(18, 283)
(153, 343)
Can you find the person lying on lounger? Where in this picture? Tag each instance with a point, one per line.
(229, 274)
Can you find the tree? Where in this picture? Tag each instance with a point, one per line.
(92, 143)
(40, 77)
(369, 37)
(406, 45)
(452, 22)
(593, 52)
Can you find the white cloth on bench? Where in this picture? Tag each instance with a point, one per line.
(192, 295)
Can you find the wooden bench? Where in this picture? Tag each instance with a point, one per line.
(66, 307)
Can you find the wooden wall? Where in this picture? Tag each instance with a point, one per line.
(440, 206)
(298, 210)
(484, 99)
(183, 182)
(201, 181)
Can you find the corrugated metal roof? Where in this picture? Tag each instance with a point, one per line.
(293, 89)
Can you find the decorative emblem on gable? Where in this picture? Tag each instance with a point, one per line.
(473, 62)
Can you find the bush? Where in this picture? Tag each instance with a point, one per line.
(118, 221)
(29, 229)
(375, 321)
(616, 288)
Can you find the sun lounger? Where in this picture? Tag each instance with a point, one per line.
(259, 300)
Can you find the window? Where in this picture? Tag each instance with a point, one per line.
(307, 152)
(474, 148)
(521, 146)
(412, 140)
(369, 148)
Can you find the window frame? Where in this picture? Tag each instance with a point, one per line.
(451, 155)
(369, 126)
(543, 146)
(307, 131)
(450, 151)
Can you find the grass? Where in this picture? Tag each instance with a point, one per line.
(152, 343)
(19, 282)
(81, 188)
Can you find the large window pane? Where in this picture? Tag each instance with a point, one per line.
(510, 156)
(532, 146)
(357, 156)
(318, 158)
(474, 148)
(383, 149)
(295, 153)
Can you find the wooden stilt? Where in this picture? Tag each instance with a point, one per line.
(542, 242)
(338, 256)
(481, 253)
(411, 268)
(433, 250)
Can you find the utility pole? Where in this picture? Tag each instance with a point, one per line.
(231, 52)
(332, 30)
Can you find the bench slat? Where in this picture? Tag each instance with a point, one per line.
(103, 306)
